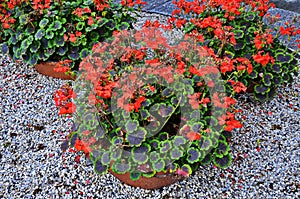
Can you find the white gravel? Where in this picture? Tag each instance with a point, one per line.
(32, 165)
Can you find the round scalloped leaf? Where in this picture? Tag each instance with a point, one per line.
(193, 155)
(167, 92)
(229, 54)
(55, 25)
(253, 74)
(59, 41)
(105, 158)
(49, 34)
(43, 23)
(39, 34)
(249, 16)
(94, 36)
(207, 159)
(80, 26)
(49, 52)
(223, 162)
(165, 111)
(135, 175)
(95, 155)
(286, 78)
(137, 137)
(139, 154)
(4, 48)
(165, 146)
(261, 97)
(149, 174)
(23, 19)
(116, 153)
(62, 50)
(276, 68)
(144, 114)
(197, 127)
(277, 81)
(111, 25)
(120, 168)
(267, 79)
(123, 26)
(284, 58)
(154, 144)
(179, 141)
(261, 89)
(117, 141)
(187, 168)
(159, 165)
(30, 29)
(13, 40)
(176, 153)
(26, 57)
(25, 44)
(238, 34)
(99, 167)
(222, 149)
(211, 121)
(239, 46)
(74, 56)
(33, 60)
(18, 53)
(172, 167)
(84, 53)
(131, 126)
(154, 156)
(163, 136)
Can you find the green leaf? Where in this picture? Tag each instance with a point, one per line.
(176, 153)
(84, 53)
(121, 167)
(159, 165)
(49, 34)
(206, 160)
(105, 158)
(178, 141)
(131, 125)
(55, 25)
(43, 23)
(193, 155)
(187, 168)
(222, 149)
(123, 26)
(4, 48)
(99, 167)
(80, 26)
(135, 175)
(165, 146)
(30, 29)
(267, 79)
(154, 157)
(33, 60)
(24, 19)
(222, 162)
(39, 34)
(261, 89)
(137, 137)
(139, 154)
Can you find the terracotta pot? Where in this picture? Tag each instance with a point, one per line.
(47, 68)
(160, 179)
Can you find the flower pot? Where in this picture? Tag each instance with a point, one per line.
(47, 68)
(160, 179)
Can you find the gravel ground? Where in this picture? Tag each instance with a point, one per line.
(266, 150)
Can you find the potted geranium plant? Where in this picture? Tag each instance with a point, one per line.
(235, 30)
(39, 32)
(149, 112)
